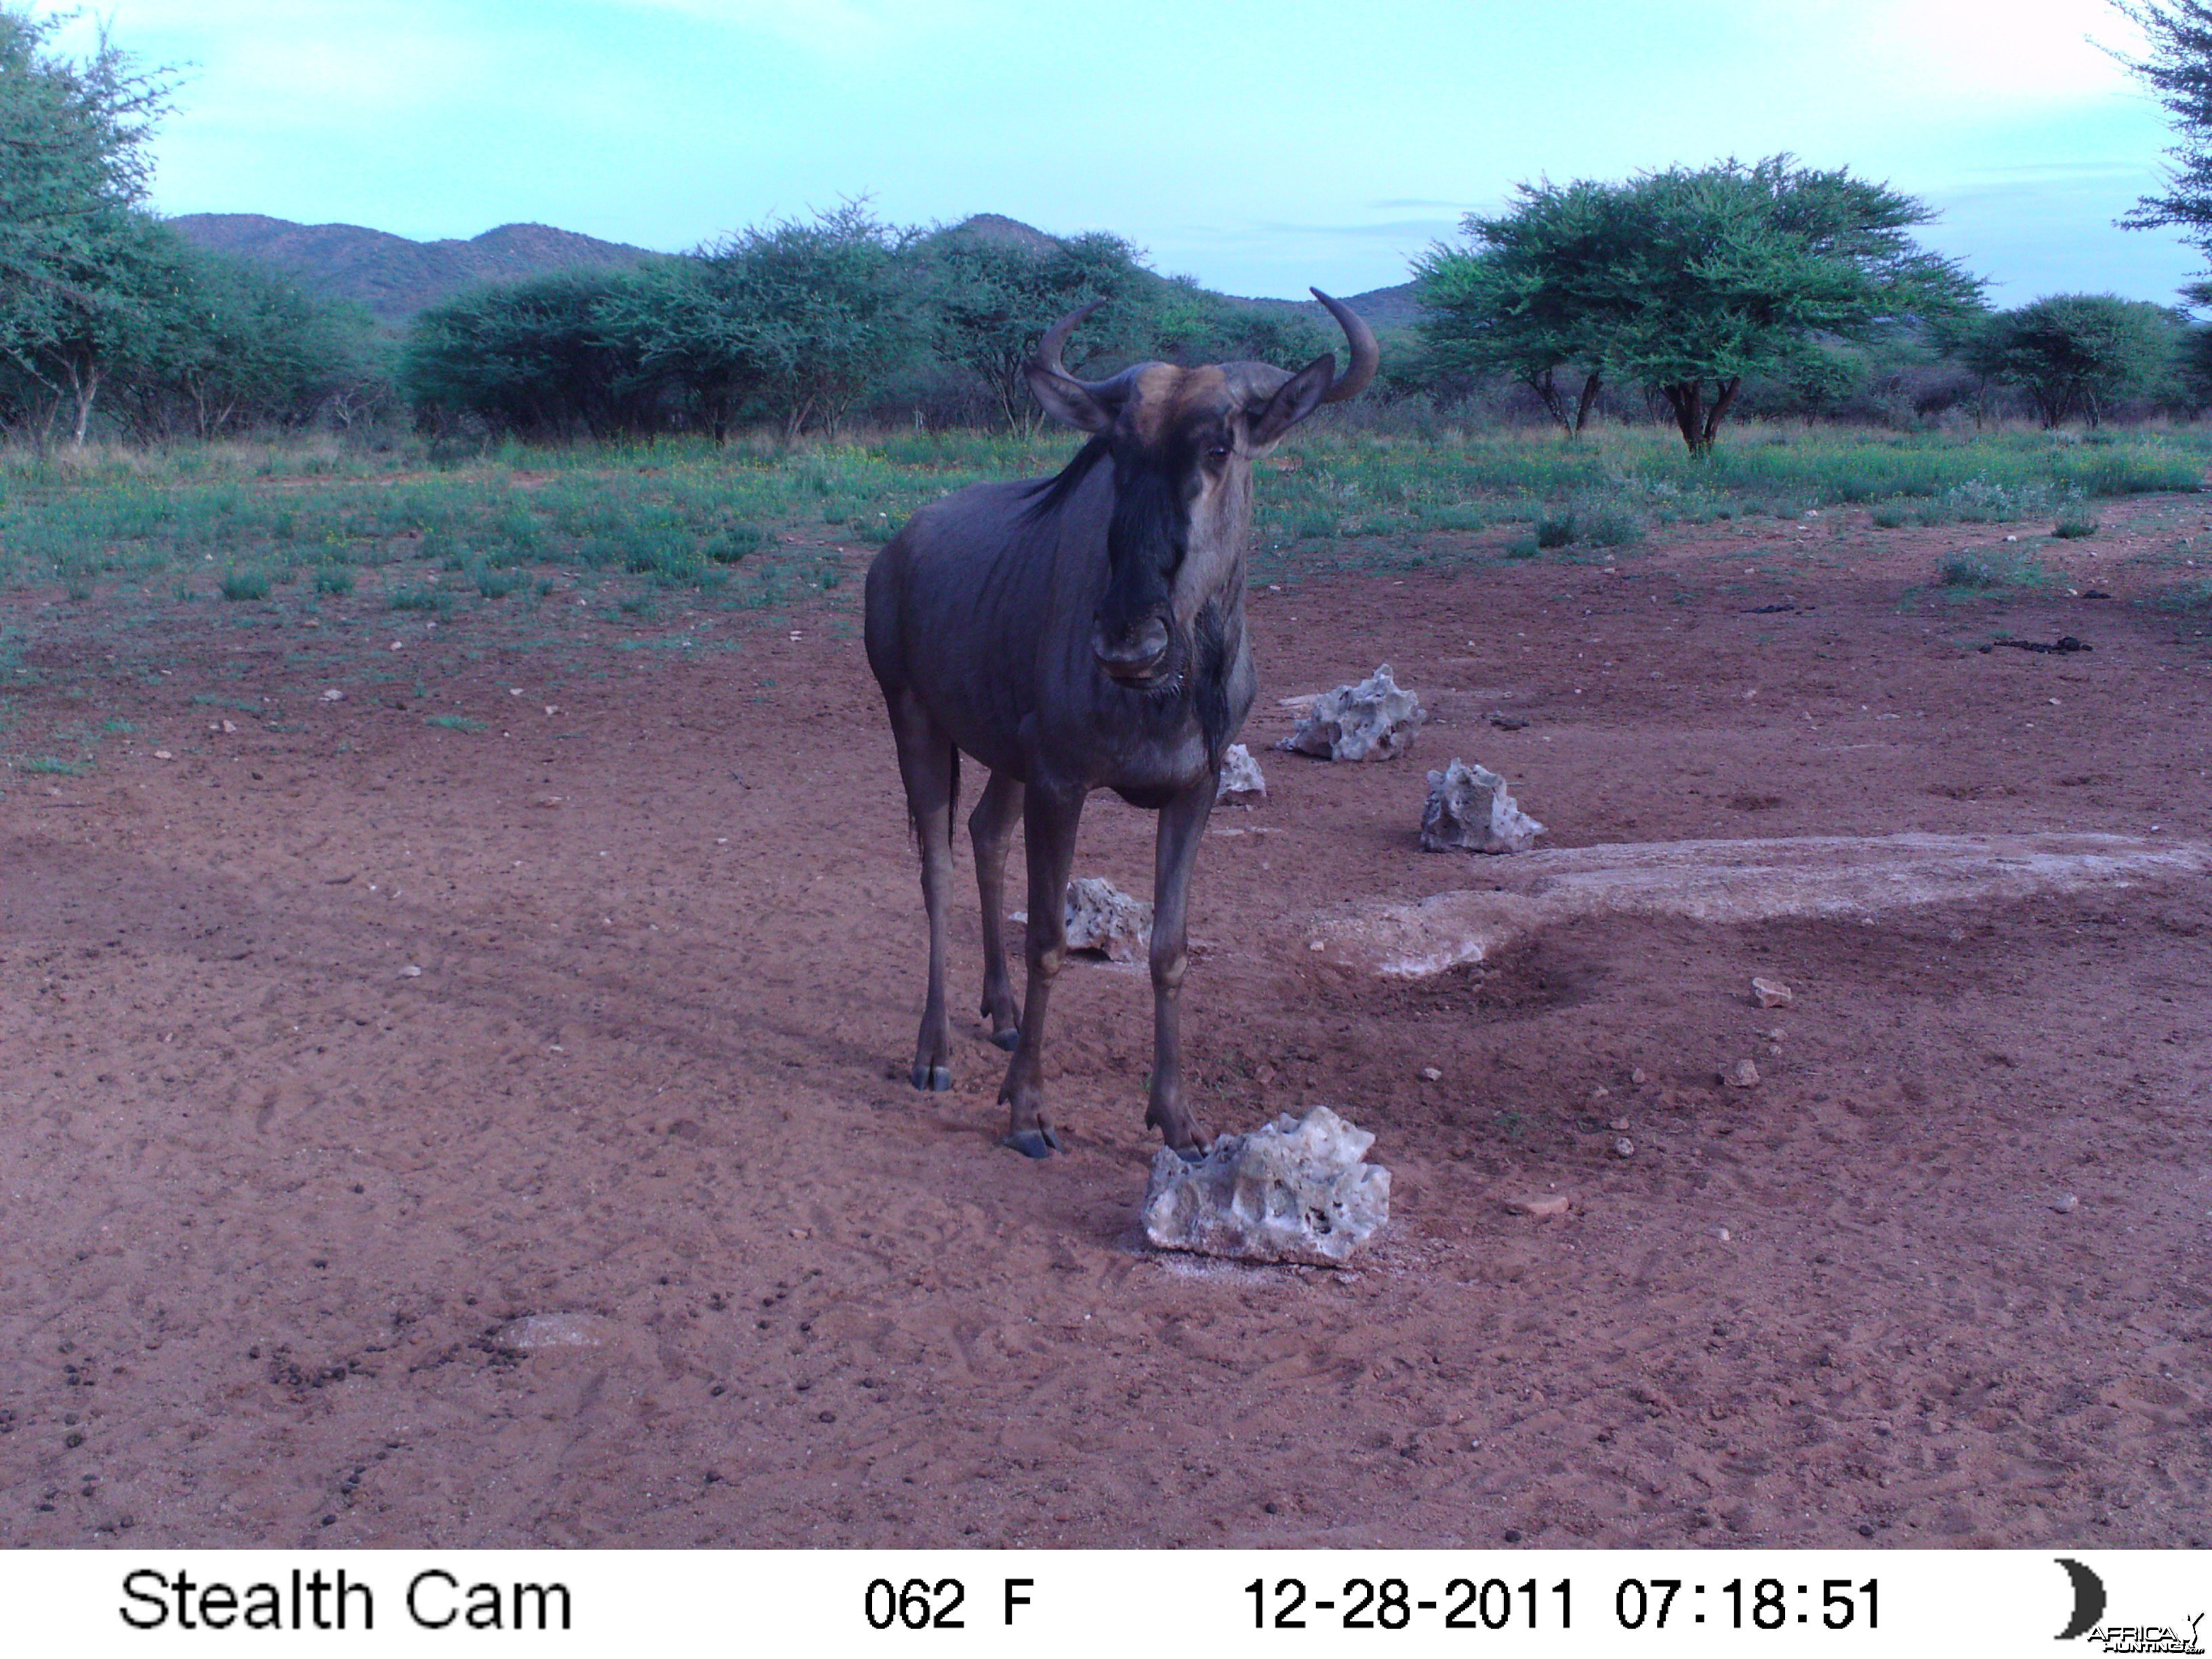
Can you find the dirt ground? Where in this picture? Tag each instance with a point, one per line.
(267, 1192)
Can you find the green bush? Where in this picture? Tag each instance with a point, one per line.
(333, 578)
(1555, 530)
(1609, 526)
(1521, 547)
(497, 584)
(2075, 522)
(419, 599)
(1892, 515)
(246, 584)
(1987, 570)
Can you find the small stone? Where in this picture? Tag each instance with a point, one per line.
(1296, 1190)
(1618, 1124)
(1550, 1206)
(1623, 1147)
(553, 1330)
(163, 754)
(1723, 1234)
(1638, 1078)
(1470, 809)
(1431, 1074)
(333, 695)
(395, 645)
(1241, 782)
(1772, 993)
(229, 729)
(1505, 722)
(1374, 719)
(410, 971)
(1102, 917)
(1741, 1075)
(2067, 1205)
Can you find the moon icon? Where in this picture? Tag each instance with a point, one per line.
(2088, 1599)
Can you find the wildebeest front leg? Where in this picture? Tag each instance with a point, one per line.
(1049, 821)
(1182, 827)
(991, 826)
(926, 766)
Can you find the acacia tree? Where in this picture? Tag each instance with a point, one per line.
(2179, 71)
(76, 252)
(1522, 301)
(990, 300)
(812, 313)
(2078, 354)
(1685, 282)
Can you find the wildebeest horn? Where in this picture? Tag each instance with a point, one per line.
(1055, 340)
(1365, 354)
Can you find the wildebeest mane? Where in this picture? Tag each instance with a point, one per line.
(1049, 494)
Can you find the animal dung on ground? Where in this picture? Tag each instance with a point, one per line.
(1374, 719)
(1240, 782)
(1772, 993)
(1102, 917)
(1469, 809)
(1296, 1190)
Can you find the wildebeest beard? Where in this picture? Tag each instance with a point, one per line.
(1145, 540)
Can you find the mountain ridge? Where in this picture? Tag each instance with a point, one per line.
(394, 276)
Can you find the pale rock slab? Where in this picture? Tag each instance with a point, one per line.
(533, 1332)
(1729, 882)
(1241, 782)
(1374, 719)
(1469, 810)
(1296, 1190)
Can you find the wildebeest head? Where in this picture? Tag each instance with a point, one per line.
(1182, 441)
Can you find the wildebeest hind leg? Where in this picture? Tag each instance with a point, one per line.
(928, 766)
(1049, 821)
(991, 827)
(1182, 828)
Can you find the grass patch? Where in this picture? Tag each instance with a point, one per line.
(418, 598)
(48, 763)
(246, 584)
(498, 584)
(333, 578)
(1991, 570)
(458, 723)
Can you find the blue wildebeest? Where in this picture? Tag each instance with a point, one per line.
(1085, 632)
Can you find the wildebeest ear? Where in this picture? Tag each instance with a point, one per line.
(1066, 398)
(1295, 400)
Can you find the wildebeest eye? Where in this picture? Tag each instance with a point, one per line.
(1221, 451)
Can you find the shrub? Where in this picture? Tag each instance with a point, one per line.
(418, 598)
(2076, 520)
(1892, 515)
(1991, 570)
(497, 584)
(333, 578)
(1555, 530)
(1521, 547)
(246, 584)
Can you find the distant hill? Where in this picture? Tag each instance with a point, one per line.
(393, 276)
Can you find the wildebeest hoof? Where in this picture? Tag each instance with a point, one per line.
(1033, 1143)
(1194, 1153)
(1006, 1040)
(933, 1079)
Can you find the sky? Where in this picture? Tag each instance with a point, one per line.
(1258, 147)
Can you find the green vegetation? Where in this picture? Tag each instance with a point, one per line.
(1992, 570)
(246, 584)
(1683, 282)
(103, 309)
(2077, 355)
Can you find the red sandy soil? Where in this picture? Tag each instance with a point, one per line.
(265, 1201)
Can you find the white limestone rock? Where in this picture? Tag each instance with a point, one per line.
(1469, 809)
(1241, 783)
(1294, 1191)
(1374, 719)
(1102, 917)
